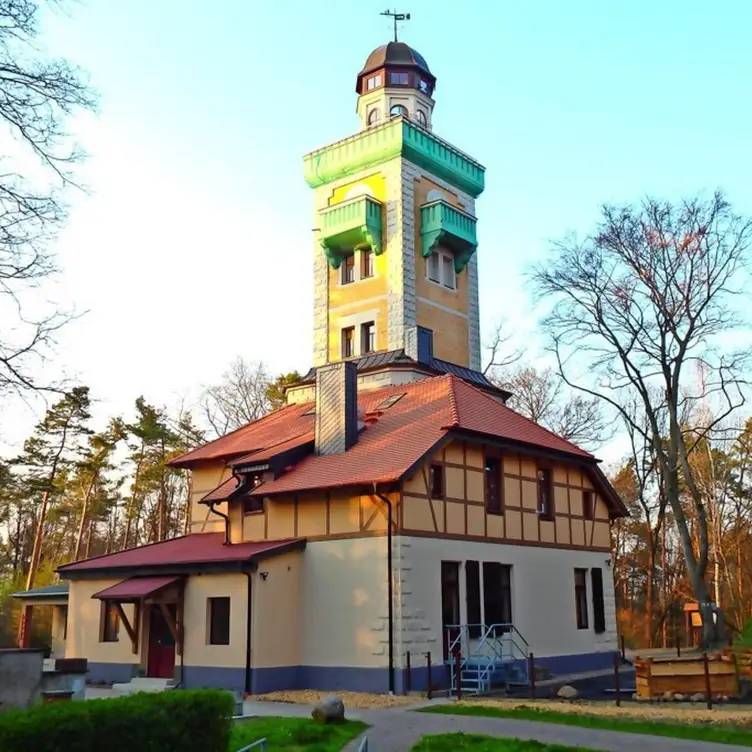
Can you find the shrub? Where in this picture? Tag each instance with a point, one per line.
(181, 720)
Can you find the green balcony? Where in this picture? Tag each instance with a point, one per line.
(350, 226)
(398, 137)
(442, 224)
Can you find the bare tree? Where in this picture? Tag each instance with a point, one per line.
(37, 96)
(501, 355)
(635, 306)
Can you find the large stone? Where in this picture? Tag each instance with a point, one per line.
(567, 692)
(329, 710)
(698, 697)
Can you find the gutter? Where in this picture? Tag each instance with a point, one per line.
(389, 586)
(225, 517)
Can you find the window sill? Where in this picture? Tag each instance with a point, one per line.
(495, 512)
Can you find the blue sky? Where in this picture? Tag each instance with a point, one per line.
(195, 245)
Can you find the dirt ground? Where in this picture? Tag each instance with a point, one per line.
(681, 712)
(361, 700)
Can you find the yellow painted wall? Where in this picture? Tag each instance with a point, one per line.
(338, 321)
(277, 611)
(204, 479)
(461, 511)
(83, 626)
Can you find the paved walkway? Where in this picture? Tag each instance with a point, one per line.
(398, 729)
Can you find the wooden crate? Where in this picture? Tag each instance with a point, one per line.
(654, 677)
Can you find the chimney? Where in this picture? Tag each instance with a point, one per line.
(336, 407)
(419, 344)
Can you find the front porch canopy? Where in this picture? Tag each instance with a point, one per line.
(136, 588)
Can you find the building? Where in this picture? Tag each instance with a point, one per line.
(396, 504)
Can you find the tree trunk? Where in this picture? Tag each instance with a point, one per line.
(82, 522)
(649, 610)
(38, 537)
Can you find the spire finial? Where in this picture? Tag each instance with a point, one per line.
(397, 17)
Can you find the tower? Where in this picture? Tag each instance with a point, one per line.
(395, 263)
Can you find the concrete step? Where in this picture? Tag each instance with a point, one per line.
(143, 684)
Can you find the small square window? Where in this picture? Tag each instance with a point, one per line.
(348, 342)
(366, 264)
(588, 508)
(436, 479)
(348, 269)
(392, 399)
(218, 617)
(110, 625)
(367, 338)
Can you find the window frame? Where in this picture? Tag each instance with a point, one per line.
(473, 599)
(498, 509)
(421, 118)
(580, 598)
(548, 513)
(588, 505)
(367, 264)
(345, 340)
(435, 470)
(367, 337)
(444, 259)
(374, 116)
(221, 639)
(504, 593)
(348, 265)
(402, 111)
(109, 630)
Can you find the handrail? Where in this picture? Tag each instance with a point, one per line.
(259, 745)
(363, 746)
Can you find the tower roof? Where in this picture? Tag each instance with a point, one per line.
(395, 54)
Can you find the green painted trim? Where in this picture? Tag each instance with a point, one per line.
(441, 223)
(396, 137)
(351, 226)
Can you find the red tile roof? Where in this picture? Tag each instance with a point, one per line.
(263, 455)
(196, 549)
(388, 448)
(135, 588)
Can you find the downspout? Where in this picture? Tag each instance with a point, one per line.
(248, 638)
(225, 517)
(390, 605)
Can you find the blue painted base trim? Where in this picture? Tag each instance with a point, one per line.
(334, 678)
(110, 673)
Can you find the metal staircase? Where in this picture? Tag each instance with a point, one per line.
(490, 657)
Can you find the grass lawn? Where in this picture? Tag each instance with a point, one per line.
(295, 734)
(720, 733)
(480, 743)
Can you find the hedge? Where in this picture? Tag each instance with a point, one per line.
(178, 721)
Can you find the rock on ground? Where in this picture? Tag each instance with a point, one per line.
(568, 692)
(329, 710)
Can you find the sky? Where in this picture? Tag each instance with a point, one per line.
(193, 244)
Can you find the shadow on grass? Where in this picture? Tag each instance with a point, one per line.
(295, 734)
(481, 743)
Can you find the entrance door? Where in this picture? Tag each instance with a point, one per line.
(450, 602)
(161, 661)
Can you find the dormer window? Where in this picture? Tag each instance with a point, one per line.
(398, 79)
(374, 82)
(397, 110)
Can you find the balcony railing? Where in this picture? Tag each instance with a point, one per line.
(442, 224)
(350, 226)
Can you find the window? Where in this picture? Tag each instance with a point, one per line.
(374, 82)
(398, 109)
(392, 399)
(348, 342)
(64, 617)
(580, 597)
(366, 264)
(218, 618)
(440, 269)
(367, 338)
(493, 485)
(497, 594)
(545, 494)
(253, 504)
(399, 79)
(588, 508)
(436, 481)
(599, 607)
(110, 622)
(420, 116)
(373, 116)
(472, 595)
(447, 275)
(348, 269)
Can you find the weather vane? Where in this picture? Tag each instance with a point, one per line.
(397, 17)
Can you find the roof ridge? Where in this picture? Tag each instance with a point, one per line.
(453, 407)
(529, 420)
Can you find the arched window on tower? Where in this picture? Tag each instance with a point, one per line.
(420, 116)
(373, 116)
(398, 109)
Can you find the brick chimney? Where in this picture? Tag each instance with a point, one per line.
(336, 407)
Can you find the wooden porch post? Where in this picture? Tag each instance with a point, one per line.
(132, 633)
(24, 626)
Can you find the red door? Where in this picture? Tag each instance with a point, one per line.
(161, 663)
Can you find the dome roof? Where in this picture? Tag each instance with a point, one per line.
(395, 53)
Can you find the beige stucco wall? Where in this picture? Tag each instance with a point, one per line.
(58, 639)
(204, 479)
(543, 599)
(344, 603)
(83, 626)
